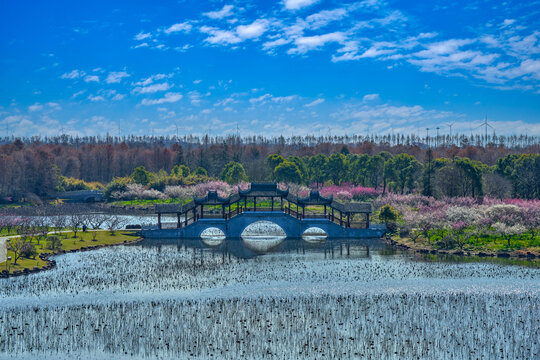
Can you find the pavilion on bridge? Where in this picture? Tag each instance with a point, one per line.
(270, 198)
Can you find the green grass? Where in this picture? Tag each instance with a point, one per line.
(483, 243)
(68, 243)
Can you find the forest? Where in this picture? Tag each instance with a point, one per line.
(498, 167)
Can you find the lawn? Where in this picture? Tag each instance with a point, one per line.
(68, 243)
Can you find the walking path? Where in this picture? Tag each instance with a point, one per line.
(3, 250)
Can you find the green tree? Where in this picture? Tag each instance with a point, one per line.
(358, 169)
(428, 173)
(337, 168)
(317, 168)
(117, 185)
(471, 171)
(526, 176)
(287, 172)
(374, 170)
(273, 161)
(141, 176)
(233, 173)
(180, 171)
(389, 216)
(402, 169)
(301, 165)
(201, 171)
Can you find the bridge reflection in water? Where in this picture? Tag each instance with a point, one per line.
(251, 247)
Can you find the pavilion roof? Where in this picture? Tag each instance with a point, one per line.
(263, 190)
(352, 207)
(168, 208)
(315, 198)
(212, 198)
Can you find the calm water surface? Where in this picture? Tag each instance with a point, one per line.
(266, 298)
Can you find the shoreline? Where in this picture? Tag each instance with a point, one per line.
(51, 264)
(419, 248)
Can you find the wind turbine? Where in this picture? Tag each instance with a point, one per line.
(485, 124)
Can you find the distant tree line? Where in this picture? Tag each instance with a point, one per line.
(44, 169)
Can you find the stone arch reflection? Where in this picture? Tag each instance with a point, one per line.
(263, 236)
(314, 235)
(212, 236)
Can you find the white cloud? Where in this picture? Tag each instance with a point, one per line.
(508, 22)
(74, 74)
(183, 27)
(169, 97)
(253, 30)
(298, 4)
(307, 43)
(314, 102)
(96, 98)
(150, 89)
(220, 37)
(325, 17)
(116, 77)
(370, 97)
(276, 99)
(35, 107)
(91, 78)
(223, 13)
(275, 43)
(151, 79)
(142, 36)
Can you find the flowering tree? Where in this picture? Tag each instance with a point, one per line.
(507, 232)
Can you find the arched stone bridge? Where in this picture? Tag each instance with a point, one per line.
(292, 226)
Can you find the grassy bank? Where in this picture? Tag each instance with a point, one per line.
(518, 246)
(69, 243)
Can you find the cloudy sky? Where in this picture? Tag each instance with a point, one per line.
(268, 67)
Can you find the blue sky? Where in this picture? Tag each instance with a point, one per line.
(270, 67)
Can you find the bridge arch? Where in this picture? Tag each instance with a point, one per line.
(314, 234)
(263, 228)
(212, 236)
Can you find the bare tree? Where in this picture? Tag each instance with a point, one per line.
(114, 223)
(96, 221)
(19, 246)
(59, 222)
(75, 221)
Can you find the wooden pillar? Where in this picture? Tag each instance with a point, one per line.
(367, 220)
(303, 212)
(332, 214)
(281, 207)
(254, 203)
(324, 211)
(223, 211)
(245, 203)
(159, 220)
(272, 204)
(194, 214)
(202, 211)
(186, 219)
(348, 220)
(340, 218)
(178, 222)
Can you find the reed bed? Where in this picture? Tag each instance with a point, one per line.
(173, 302)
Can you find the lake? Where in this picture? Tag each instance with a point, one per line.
(269, 298)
